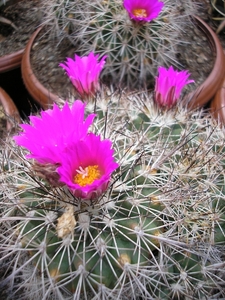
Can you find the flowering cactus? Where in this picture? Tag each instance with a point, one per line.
(136, 35)
(143, 10)
(169, 85)
(156, 231)
(84, 73)
(84, 162)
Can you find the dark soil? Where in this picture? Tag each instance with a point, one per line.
(18, 20)
(25, 16)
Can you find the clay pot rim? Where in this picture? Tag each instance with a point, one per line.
(11, 61)
(10, 109)
(201, 96)
(205, 92)
(39, 93)
(217, 106)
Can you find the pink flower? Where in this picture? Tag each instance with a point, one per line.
(87, 165)
(143, 10)
(84, 72)
(169, 84)
(50, 133)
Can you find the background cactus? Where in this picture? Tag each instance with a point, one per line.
(134, 50)
(157, 233)
(218, 12)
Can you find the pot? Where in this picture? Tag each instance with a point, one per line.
(217, 106)
(10, 110)
(11, 61)
(204, 93)
(38, 92)
(201, 96)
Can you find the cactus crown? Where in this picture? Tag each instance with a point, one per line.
(157, 232)
(134, 49)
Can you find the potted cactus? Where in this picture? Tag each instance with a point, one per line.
(118, 198)
(135, 44)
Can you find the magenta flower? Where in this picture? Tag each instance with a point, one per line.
(143, 10)
(87, 165)
(84, 72)
(51, 132)
(169, 85)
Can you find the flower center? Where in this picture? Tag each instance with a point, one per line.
(140, 13)
(86, 176)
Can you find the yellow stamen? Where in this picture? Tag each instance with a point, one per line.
(87, 176)
(140, 13)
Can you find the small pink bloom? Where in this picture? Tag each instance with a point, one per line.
(84, 72)
(143, 10)
(87, 166)
(51, 132)
(169, 85)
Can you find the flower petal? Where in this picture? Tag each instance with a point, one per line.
(90, 151)
(50, 133)
(169, 85)
(84, 72)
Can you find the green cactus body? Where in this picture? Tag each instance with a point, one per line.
(157, 232)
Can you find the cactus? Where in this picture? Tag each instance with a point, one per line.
(134, 49)
(218, 13)
(158, 232)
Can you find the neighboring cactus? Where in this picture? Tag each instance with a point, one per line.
(3, 2)
(134, 49)
(218, 13)
(158, 232)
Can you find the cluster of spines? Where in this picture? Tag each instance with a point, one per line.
(158, 232)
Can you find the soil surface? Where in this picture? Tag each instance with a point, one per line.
(18, 20)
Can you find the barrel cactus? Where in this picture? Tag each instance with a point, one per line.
(135, 43)
(154, 228)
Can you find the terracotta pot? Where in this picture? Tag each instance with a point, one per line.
(10, 109)
(11, 61)
(218, 103)
(199, 98)
(39, 93)
(209, 87)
